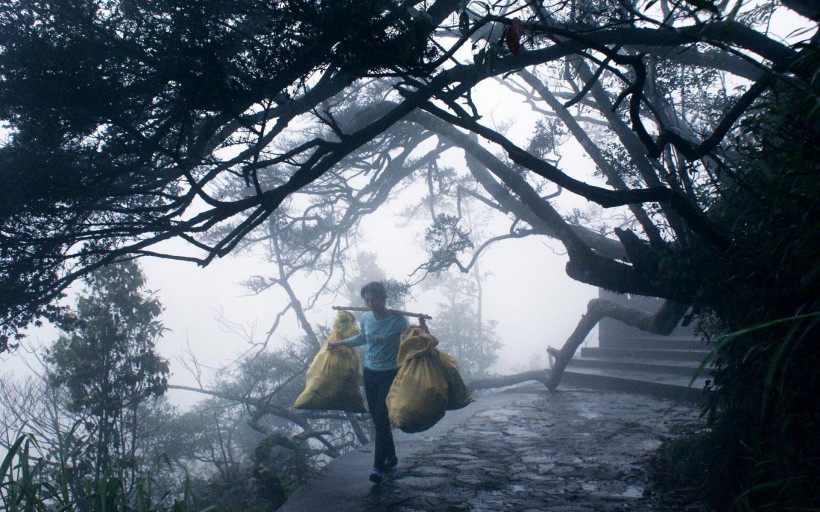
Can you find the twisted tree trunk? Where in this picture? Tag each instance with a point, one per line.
(662, 322)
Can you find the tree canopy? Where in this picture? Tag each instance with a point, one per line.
(106, 362)
(130, 123)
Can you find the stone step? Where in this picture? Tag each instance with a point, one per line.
(684, 368)
(658, 343)
(662, 385)
(627, 353)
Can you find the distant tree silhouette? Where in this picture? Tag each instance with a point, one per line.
(106, 363)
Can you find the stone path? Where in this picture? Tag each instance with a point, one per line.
(524, 451)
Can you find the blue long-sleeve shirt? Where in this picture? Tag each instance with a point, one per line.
(382, 338)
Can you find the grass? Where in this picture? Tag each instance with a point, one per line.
(28, 483)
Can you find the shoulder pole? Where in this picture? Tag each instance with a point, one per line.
(396, 311)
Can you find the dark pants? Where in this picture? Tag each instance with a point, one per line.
(376, 386)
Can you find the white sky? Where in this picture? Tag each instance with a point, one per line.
(527, 293)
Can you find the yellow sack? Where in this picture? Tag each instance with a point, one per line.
(458, 395)
(419, 394)
(334, 375)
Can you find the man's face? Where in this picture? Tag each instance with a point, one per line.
(373, 301)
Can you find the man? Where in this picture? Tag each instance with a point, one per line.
(381, 331)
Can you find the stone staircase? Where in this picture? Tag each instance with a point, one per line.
(657, 366)
(633, 361)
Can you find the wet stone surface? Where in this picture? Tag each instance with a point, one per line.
(555, 452)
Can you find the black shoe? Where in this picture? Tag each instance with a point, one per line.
(391, 462)
(376, 476)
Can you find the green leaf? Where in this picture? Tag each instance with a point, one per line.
(7, 461)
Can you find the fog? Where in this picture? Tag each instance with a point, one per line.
(211, 316)
(526, 291)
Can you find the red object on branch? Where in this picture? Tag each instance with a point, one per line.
(512, 36)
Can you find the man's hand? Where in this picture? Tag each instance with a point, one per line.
(423, 325)
(333, 344)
